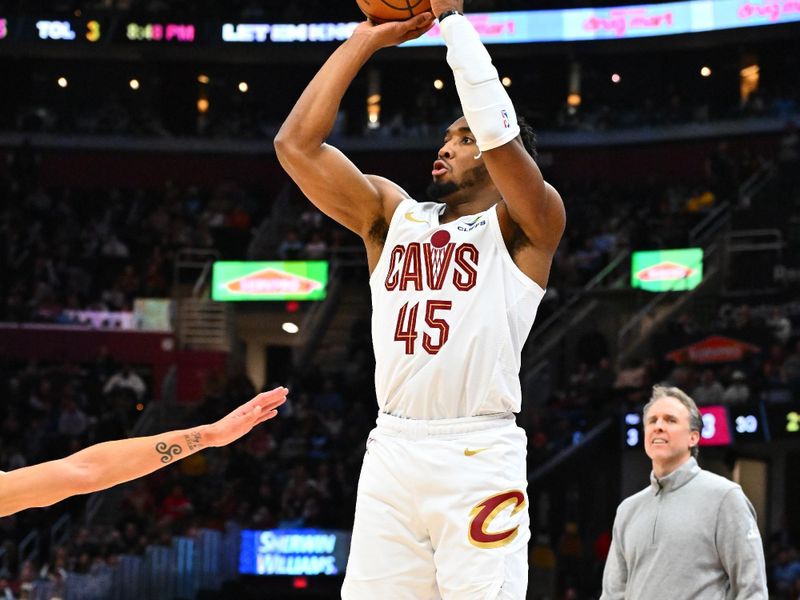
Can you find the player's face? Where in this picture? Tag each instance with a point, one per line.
(458, 163)
(668, 439)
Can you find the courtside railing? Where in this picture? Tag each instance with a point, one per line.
(175, 572)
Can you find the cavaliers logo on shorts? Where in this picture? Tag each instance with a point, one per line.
(484, 513)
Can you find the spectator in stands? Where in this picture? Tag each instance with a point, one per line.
(114, 247)
(746, 326)
(721, 169)
(72, 421)
(6, 591)
(570, 555)
(791, 370)
(329, 399)
(140, 500)
(790, 145)
(786, 570)
(780, 326)
(128, 380)
(773, 387)
(316, 248)
(291, 247)
(710, 391)
(602, 383)
(542, 562)
(176, 505)
(738, 392)
(633, 376)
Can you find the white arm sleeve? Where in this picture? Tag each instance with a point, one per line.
(485, 102)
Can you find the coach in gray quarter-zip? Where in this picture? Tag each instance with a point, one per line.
(689, 535)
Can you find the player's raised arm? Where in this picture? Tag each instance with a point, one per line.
(532, 204)
(322, 172)
(104, 465)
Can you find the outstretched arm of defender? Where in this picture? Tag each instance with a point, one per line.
(104, 465)
(326, 176)
(533, 205)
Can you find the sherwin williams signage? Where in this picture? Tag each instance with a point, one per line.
(287, 280)
(293, 552)
(667, 270)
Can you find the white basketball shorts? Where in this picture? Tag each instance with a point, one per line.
(441, 512)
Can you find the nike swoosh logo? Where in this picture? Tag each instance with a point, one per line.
(410, 217)
(468, 452)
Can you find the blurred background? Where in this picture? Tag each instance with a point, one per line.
(157, 268)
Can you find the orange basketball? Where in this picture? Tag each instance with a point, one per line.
(380, 11)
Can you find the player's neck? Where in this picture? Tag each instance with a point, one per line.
(476, 202)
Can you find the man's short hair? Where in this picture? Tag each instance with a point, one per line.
(695, 419)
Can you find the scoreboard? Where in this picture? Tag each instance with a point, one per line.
(511, 27)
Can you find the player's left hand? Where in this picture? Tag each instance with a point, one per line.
(244, 418)
(440, 6)
(394, 33)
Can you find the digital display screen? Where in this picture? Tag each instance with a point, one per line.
(784, 421)
(160, 32)
(716, 428)
(293, 552)
(749, 423)
(286, 280)
(287, 32)
(621, 22)
(560, 25)
(632, 430)
(667, 270)
(72, 30)
(513, 27)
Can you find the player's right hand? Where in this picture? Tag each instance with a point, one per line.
(395, 32)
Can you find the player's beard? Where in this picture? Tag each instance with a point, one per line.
(437, 191)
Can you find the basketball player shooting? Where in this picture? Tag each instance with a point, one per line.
(442, 508)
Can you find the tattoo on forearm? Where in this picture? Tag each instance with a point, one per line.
(167, 453)
(193, 440)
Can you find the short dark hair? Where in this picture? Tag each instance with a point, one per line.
(528, 137)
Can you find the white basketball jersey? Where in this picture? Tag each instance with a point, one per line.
(450, 314)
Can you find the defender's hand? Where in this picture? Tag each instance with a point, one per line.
(395, 32)
(244, 418)
(440, 6)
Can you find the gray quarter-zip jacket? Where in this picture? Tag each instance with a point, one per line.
(690, 535)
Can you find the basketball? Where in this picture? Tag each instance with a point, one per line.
(381, 11)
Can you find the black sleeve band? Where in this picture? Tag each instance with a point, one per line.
(447, 13)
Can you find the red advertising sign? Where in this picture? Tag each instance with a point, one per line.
(713, 349)
(666, 271)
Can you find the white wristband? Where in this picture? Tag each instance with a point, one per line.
(485, 102)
